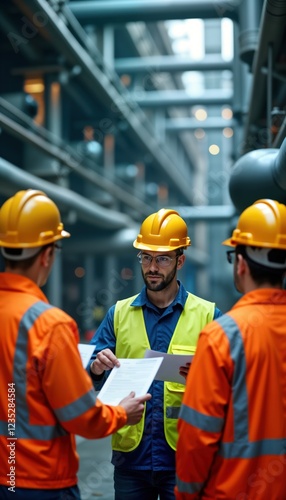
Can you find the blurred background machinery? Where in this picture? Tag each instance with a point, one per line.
(116, 108)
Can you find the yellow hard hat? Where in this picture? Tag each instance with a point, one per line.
(263, 224)
(30, 219)
(163, 231)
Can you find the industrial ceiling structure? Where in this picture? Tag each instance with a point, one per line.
(116, 108)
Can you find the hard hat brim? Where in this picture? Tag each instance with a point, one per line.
(156, 248)
(229, 243)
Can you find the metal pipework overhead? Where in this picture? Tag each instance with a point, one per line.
(14, 178)
(167, 98)
(259, 174)
(212, 123)
(122, 242)
(66, 156)
(124, 11)
(272, 31)
(155, 64)
(101, 87)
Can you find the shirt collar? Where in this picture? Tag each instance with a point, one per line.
(142, 299)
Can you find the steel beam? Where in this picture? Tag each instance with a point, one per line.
(181, 124)
(124, 11)
(207, 213)
(155, 64)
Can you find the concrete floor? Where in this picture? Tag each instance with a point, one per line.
(95, 476)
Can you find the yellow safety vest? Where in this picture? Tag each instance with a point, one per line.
(132, 342)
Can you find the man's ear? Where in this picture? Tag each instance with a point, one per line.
(181, 261)
(46, 256)
(241, 265)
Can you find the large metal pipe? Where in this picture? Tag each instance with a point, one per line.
(249, 18)
(167, 98)
(124, 11)
(259, 174)
(13, 178)
(155, 64)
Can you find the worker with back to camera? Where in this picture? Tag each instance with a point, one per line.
(46, 395)
(163, 317)
(232, 424)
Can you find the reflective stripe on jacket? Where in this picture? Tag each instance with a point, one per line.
(46, 395)
(132, 341)
(232, 427)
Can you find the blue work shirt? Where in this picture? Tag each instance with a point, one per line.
(153, 452)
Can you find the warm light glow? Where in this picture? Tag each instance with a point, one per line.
(227, 132)
(34, 86)
(214, 149)
(199, 133)
(125, 80)
(79, 272)
(127, 274)
(201, 114)
(226, 113)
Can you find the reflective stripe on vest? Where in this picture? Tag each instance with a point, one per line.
(128, 319)
(240, 447)
(26, 430)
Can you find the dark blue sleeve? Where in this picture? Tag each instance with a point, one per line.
(104, 338)
(217, 313)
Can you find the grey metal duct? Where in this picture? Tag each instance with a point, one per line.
(13, 178)
(259, 174)
(123, 11)
(170, 63)
(272, 31)
(165, 98)
(100, 86)
(249, 18)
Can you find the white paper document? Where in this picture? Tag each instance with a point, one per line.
(132, 375)
(169, 369)
(86, 351)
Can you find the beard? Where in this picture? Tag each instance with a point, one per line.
(158, 285)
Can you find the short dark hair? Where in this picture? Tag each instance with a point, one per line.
(262, 274)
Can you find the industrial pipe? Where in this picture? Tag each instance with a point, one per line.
(155, 64)
(259, 174)
(13, 178)
(271, 33)
(167, 98)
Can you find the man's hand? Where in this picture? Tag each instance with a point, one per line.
(184, 370)
(105, 360)
(134, 407)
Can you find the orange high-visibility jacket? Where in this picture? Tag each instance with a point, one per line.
(232, 425)
(46, 395)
